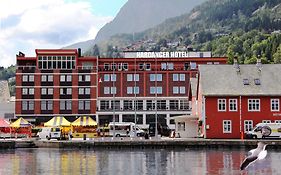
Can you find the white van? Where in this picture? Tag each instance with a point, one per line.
(50, 133)
(265, 130)
(125, 129)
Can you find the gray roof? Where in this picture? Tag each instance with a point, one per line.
(225, 80)
(4, 91)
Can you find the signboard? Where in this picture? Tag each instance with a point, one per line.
(167, 54)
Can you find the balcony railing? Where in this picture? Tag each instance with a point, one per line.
(31, 68)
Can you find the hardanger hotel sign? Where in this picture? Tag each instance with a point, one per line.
(166, 54)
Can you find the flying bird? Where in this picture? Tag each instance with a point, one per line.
(255, 154)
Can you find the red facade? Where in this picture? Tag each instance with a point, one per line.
(141, 85)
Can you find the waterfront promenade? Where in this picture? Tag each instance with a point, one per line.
(137, 143)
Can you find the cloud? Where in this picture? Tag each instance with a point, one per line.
(30, 24)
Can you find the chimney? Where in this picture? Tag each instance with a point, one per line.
(236, 64)
(79, 52)
(259, 64)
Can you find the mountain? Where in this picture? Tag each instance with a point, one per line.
(139, 15)
(246, 29)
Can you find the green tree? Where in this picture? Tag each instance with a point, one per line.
(277, 55)
(96, 51)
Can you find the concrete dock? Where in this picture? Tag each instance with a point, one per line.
(138, 143)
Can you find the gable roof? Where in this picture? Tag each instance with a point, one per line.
(225, 80)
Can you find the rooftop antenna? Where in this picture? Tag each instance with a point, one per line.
(236, 64)
(259, 64)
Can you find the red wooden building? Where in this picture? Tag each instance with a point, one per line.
(232, 99)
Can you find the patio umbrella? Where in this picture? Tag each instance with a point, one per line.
(84, 121)
(57, 121)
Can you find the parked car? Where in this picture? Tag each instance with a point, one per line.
(265, 130)
(162, 129)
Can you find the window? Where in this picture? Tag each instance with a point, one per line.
(27, 105)
(226, 126)
(47, 91)
(170, 66)
(129, 90)
(175, 77)
(44, 78)
(62, 78)
(28, 78)
(128, 105)
(84, 78)
(106, 66)
(157, 90)
(274, 104)
(163, 66)
(65, 91)
(106, 77)
(147, 66)
(175, 90)
(141, 66)
(246, 81)
(253, 104)
(125, 66)
(113, 90)
(65, 105)
(24, 91)
(68, 78)
(181, 126)
(221, 104)
(182, 90)
(106, 90)
(266, 121)
(193, 65)
(84, 91)
(65, 78)
(25, 78)
(104, 105)
(248, 125)
(131, 76)
(154, 77)
(46, 105)
(257, 81)
(182, 77)
(84, 105)
(232, 104)
(113, 77)
(113, 66)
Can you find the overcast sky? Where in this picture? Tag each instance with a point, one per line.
(26, 25)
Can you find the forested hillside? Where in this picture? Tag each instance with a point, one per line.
(246, 29)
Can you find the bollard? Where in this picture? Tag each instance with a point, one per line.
(84, 136)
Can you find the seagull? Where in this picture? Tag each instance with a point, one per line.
(255, 154)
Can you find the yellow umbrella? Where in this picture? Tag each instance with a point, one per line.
(84, 121)
(21, 122)
(57, 121)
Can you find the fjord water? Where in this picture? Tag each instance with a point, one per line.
(133, 162)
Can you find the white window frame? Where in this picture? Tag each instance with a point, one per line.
(255, 103)
(175, 77)
(106, 77)
(181, 77)
(277, 121)
(106, 90)
(221, 103)
(129, 77)
(182, 89)
(25, 78)
(227, 123)
(266, 121)
(175, 90)
(24, 91)
(113, 90)
(248, 125)
(129, 90)
(113, 77)
(275, 102)
(232, 102)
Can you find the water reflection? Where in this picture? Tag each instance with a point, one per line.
(119, 162)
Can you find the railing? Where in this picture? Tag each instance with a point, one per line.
(132, 109)
(26, 67)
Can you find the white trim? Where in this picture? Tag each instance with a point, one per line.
(54, 86)
(266, 121)
(235, 102)
(56, 99)
(56, 73)
(230, 125)
(250, 123)
(278, 101)
(254, 110)
(218, 104)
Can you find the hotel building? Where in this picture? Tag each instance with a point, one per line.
(133, 89)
